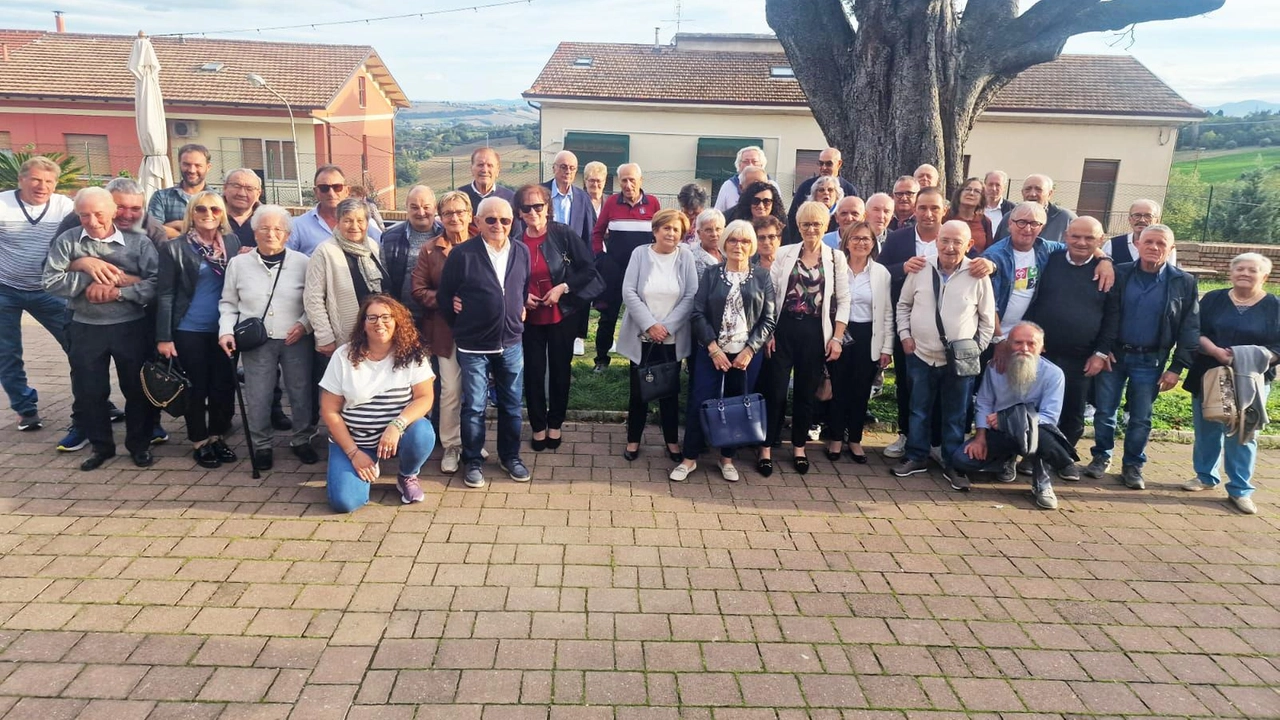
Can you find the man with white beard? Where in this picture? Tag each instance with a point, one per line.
(1030, 381)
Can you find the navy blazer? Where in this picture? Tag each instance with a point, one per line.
(582, 214)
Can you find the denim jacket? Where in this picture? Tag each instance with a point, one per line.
(1002, 255)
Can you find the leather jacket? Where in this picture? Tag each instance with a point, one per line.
(569, 260)
(757, 304)
(179, 271)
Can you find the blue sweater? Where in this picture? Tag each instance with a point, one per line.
(491, 319)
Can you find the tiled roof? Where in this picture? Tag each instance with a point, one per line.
(76, 65)
(1093, 84)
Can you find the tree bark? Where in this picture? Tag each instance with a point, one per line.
(907, 85)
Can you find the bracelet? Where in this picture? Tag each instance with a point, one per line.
(351, 455)
(398, 424)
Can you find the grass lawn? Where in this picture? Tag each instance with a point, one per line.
(1228, 168)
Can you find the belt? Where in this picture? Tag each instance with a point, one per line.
(800, 316)
(1138, 348)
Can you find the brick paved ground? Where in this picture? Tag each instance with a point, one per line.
(603, 591)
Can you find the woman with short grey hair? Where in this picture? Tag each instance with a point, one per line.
(708, 250)
(267, 283)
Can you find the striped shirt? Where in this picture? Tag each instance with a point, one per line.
(24, 244)
(374, 392)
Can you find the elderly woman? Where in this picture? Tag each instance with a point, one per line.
(193, 267)
(658, 292)
(768, 231)
(733, 317)
(811, 283)
(693, 200)
(561, 268)
(868, 342)
(968, 205)
(267, 283)
(1244, 314)
(594, 176)
(709, 249)
(376, 394)
(826, 190)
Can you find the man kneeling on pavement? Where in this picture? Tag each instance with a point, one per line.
(1017, 415)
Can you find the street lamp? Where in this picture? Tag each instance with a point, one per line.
(257, 80)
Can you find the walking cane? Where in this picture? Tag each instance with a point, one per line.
(244, 417)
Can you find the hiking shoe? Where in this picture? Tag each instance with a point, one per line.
(159, 435)
(1070, 473)
(1046, 500)
(474, 477)
(516, 469)
(910, 467)
(410, 490)
(1008, 473)
(74, 440)
(1131, 476)
(449, 463)
(1097, 467)
(1194, 485)
(959, 481)
(897, 448)
(29, 422)
(1245, 505)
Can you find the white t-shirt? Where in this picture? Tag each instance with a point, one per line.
(661, 292)
(927, 249)
(1025, 278)
(374, 393)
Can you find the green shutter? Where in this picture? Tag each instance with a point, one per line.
(716, 156)
(612, 150)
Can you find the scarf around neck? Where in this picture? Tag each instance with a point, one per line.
(215, 253)
(370, 269)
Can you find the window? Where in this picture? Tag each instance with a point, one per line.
(360, 87)
(1098, 190)
(583, 62)
(271, 159)
(782, 72)
(806, 164)
(715, 161)
(90, 153)
(6, 142)
(364, 154)
(612, 150)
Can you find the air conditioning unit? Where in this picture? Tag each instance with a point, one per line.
(185, 128)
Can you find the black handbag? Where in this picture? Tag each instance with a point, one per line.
(251, 332)
(964, 357)
(731, 422)
(165, 386)
(658, 380)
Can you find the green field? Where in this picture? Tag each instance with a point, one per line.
(1227, 167)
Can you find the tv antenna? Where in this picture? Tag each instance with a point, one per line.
(677, 16)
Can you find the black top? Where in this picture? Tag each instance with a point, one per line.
(1226, 326)
(1077, 318)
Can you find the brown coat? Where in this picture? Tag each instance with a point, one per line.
(436, 335)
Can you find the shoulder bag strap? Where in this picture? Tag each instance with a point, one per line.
(279, 272)
(937, 306)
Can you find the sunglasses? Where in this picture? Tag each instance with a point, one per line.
(208, 209)
(761, 201)
(536, 207)
(330, 187)
(496, 220)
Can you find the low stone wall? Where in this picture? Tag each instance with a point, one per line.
(1217, 256)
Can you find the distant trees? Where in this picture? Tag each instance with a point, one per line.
(1226, 133)
(425, 142)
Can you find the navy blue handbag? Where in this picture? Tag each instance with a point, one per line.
(731, 422)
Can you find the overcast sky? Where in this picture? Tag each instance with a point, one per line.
(496, 53)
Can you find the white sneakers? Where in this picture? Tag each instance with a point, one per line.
(898, 448)
(449, 463)
(579, 347)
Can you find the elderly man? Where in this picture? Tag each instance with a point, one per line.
(848, 211)
(748, 157)
(944, 296)
(169, 205)
(402, 243)
(927, 175)
(108, 275)
(1013, 403)
(482, 296)
(1124, 248)
(905, 190)
(1159, 312)
(315, 227)
(995, 206)
(1080, 321)
(1039, 189)
(241, 193)
(131, 212)
(830, 161)
(878, 214)
(625, 223)
(485, 167)
(570, 205)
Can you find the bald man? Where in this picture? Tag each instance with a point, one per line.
(849, 210)
(570, 205)
(1039, 189)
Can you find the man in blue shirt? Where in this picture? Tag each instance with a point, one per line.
(316, 225)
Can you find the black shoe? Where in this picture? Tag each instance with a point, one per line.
(206, 457)
(832, 456)
(801, 464)
(96, 459)
(143, 458)
(554, 443)
(764, 466)
(116, 414)
(538, 445)
(279, 420)
(263, 459)
(631, 454)
(223, 452)
(305, 453)
(675, 456)
(860, 459)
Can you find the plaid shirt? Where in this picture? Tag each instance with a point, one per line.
(168, 204)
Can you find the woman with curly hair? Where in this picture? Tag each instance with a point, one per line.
(375, 396)
(758, 200)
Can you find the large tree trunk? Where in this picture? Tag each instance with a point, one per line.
(906, 87)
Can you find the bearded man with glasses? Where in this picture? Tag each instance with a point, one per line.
(316, 226)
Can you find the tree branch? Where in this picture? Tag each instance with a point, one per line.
(814, 34)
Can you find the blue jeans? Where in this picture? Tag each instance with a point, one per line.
(1212, 443)
(1143, 371)
(51, 312)
(508, 376)
(348, 493)
(927, 382)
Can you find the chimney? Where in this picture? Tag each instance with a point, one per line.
(59, 23)
(656, 46)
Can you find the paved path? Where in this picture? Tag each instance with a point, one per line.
(601, 590)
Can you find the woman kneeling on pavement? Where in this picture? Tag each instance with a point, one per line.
(375, 396)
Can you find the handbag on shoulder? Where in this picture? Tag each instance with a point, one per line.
(964, 357)
(251, 332)
(165, 386)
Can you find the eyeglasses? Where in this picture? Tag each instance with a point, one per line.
(534, 208)
(454, 213)
(735, 240)
(1024, 224)
(496, 220)
(570, 168)
(812, 225)
(1146, 217)
(761, 201)
(242, 187)
(208, 209)
(861, 239)
(905, 194)
(972, 189)
(330, 187)
(826, 163)
(385, 318)
(770, 236)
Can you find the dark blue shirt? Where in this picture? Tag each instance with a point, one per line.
(1142, 308)
(202, 315)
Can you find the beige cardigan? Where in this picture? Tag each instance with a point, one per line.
(968, 311)
(329, 296)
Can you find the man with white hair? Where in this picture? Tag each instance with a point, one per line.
(1039, 189)
(1124, 248)
(995, 205)
(879, 213)
(1015, 405)
(830, 161)
(625, 223)
(749, 156)
(849, 210)
(570, 204)
(241, 193)
(927, 175)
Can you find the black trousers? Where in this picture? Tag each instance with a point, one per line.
(668, 408)
(1078, 388)
(605, 329)
(211, 397)
(851, 378)
(580, 320)
(91, 350)
(548, 360)
(797, 346)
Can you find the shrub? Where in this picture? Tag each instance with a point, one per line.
(11, 163)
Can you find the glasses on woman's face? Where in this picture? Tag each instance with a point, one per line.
(384, 318)
(812, 225)
(762, 201)
(455, 213)
(769, 237)
(208, 210)
(972, 189)
(534, 208)
(861, 240)
(735, 240)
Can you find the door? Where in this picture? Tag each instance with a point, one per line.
(1098, 190)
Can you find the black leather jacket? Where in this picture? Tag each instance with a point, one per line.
(570, 260)
(1180, 321)
(179, 270)
(757, 304)
(395, 256)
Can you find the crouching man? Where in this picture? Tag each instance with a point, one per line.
(1017, 414)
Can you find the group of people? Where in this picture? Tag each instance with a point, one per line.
(1005, 317)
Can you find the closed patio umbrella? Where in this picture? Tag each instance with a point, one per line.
(153, 136)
